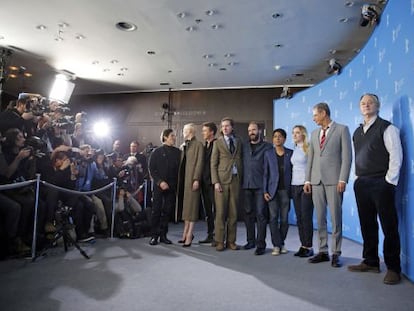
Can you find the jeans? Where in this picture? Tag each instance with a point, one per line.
(278, 221)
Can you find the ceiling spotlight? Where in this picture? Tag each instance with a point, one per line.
(181, 15)
(151, 52)
(223, 69)
(126, 26)
(232, 63)
(212, 64)
(41, 27)
(13, 68)
(120, 74)
(164, 83)
(286, 93)
(191, 28)
(106, 70)
(278, 45)
(344, 20)
(63, 25)
(349, 3)
(215, 26)
(277, 15)
(207, 56)
(210, 12)
(277, 67)
(114, 61)
(95, 62)
(228, 55)
(369, 15)
(198, 20)
(27, 74)
(334, 67)
(80, 37)
(124, 69)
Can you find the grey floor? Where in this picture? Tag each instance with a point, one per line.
(132, 275)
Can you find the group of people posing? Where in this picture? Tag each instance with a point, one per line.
(267, 176)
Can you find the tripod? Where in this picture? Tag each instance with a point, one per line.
(64, 227)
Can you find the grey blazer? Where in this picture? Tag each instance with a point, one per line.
(333, 163)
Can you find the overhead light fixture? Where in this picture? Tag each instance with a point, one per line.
(212, 64)
(126, 26)
(215, 26)
(369, 15)
(191, 28)
(334, 67)
(80, 36)
(95, 62)
(164, 83)
(228, 55)
(207, 56)
(181, 15)
(277, 67)
(277, 15)
(187, 83)
(114, 61)
(14, 68)
(278, 45)
(223, 69)
(344, 20)
(62, 88)
(41, 27)
(106, 70)
(211, 12)
(28, 74)
(124, 69)
(151, 52)
(232, 64)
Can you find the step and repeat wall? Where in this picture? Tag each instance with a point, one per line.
(385, 66)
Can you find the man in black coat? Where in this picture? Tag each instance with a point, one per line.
(163, 166)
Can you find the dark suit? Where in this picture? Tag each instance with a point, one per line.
(279, 190)
(227, 170)
(325, 168)
(255, 205)
(207, 189)
(163, 166)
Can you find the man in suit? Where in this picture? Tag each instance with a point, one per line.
(327, 173)
(378, 159)
(226, 174)
(254, 203)
(209, 131)
(163, 166)
(141, 161)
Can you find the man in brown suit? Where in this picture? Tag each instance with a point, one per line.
(226, 175)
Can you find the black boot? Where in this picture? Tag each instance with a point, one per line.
(164, 239)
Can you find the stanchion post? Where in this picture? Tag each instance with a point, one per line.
(145, 193)
(113, 207)
(35, 217)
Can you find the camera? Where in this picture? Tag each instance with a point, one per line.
(369, 15)
(36, 146)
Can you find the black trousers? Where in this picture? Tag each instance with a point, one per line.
(163, 205)
(207, 194)
(375, 197)
(303, 205)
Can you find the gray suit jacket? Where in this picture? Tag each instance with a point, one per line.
(333, 163)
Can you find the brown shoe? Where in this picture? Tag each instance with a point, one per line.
(392, 278)
(219, 246)
(233, 246)
(363, 267)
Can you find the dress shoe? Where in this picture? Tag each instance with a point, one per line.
(207, 240)
(259, 251)
(336, 262)
(392, 277)
(363, 267)
(249, 246)
(219, 246)
(165, 240)
(183, 240)
(308, 252)
(301, 251)
(153, 241)
(319, 257)
(232, 246)
(187, 245)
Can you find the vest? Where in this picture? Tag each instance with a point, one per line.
(371, 156)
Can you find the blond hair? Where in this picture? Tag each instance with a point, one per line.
(304, 133)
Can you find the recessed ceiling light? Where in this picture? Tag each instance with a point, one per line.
(215, 26)
(278, 45)
(58, 39)
(27, 74)
(63, 25)
(349, 3)
(169, 71)
(12, 75)
(212, 64)
(198, 20)
(164, 83)
(277, 15)
(232, 63)
(228, 55)
(41, 27)
(126, 26)
(211, 12)
(124, 69)
(151, 52)
(106, 70)
(298, 74)
(191, 28)
(120, 74)
(207, 56)
(181, 15)
(14, 68)
(95, 62)
(277, 67)
(344, 20)
(187, 82)
(80, 36)
(114, 61)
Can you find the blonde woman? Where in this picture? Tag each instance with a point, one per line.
(302, 201)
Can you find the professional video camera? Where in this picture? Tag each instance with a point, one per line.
(36, 146)
(65, 122)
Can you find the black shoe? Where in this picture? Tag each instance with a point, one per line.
(319, 257)
(307, 253)
(183, 241)
(249, 246)
(165, 240)
(259, 251)
(209, 239)
(336, 263)
(153, 241)
(187, 245)
(301, 251)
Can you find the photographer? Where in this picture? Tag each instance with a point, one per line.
(13, 118)
(21, 166)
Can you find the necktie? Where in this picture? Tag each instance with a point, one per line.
(231, 145)
(323, 138)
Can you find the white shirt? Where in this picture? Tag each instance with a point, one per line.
(392, 143)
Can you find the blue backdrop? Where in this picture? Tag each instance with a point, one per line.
(385, 66)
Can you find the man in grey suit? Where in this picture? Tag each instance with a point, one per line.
(226, 175)
(327, 173)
